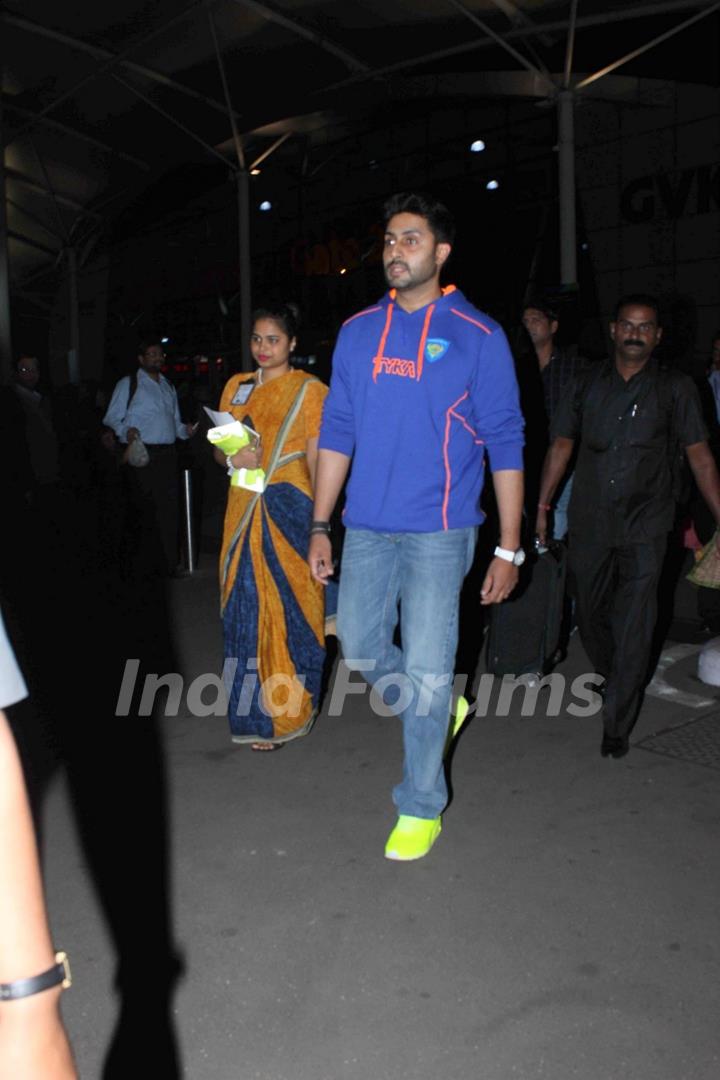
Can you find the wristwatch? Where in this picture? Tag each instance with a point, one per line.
(517, 558)
(58, 974)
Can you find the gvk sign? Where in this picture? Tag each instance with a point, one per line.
(693, 191)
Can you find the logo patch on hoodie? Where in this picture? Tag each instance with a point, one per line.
(435, 349)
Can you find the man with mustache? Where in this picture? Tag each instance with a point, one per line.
(632, 418)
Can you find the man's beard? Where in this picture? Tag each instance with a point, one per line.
(419, 276)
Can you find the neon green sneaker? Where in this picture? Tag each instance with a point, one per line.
(412, 838)
(462, 709)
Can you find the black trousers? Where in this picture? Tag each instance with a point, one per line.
(616, 593)
(154, 507)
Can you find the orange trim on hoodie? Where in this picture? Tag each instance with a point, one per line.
(358, 314)
(467, 427)
(473, 321)
(446, 458)
(423, 340)
(381, 347)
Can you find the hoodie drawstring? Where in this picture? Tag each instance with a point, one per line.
(420, 360)
(377, 359)
(423, 340)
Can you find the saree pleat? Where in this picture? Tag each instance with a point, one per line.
(272, 610)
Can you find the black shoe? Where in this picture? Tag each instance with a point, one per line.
(614, 746)
(623, 748)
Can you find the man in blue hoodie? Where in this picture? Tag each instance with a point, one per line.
(423, 385)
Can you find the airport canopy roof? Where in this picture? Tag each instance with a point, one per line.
(100, 100)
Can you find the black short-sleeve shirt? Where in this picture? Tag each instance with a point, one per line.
(556, 375)
(630, 435)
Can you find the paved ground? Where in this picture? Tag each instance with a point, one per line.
(565, 925)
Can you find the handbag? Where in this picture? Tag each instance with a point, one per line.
(137, 454)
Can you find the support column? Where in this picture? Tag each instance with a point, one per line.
(243, 199)
(5, 331)
(74, 318)
(566, 187)
(242, 180)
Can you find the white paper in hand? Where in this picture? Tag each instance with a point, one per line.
(219, 418)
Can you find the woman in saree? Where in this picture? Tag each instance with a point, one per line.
(273, 612)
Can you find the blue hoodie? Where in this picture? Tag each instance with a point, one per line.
(416, 398)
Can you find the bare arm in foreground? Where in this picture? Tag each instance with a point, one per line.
(33, 1043)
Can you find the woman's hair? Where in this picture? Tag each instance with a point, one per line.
(285, 315)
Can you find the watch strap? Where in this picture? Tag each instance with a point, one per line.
(58, 974)
(504, 553)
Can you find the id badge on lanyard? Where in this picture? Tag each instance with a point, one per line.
(242, 393)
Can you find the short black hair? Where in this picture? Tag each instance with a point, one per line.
(638, 300)
(538, 303)
(286, 315)
(437, 215)
(148, 342)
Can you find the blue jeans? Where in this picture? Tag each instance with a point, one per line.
(560, 516)
(421, 574)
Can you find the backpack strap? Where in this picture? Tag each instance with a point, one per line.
(132, 390)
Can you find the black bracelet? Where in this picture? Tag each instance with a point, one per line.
(320, 526)
(58, 974)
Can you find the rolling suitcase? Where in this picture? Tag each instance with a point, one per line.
(525, 630)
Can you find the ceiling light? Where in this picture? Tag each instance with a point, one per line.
(492, 185)
(266, 205)
(477, 147)
(164, 340)
(254, 172)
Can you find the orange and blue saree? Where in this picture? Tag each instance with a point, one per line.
(273, 612)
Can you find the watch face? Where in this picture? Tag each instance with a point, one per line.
(519, 557)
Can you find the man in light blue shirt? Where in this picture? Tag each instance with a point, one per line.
(145, 405)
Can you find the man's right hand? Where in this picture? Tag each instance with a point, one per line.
(541, 527)
(133, 433)
(320, 557)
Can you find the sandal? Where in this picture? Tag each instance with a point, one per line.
(264, 747)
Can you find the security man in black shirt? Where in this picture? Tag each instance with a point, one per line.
(632, 419)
